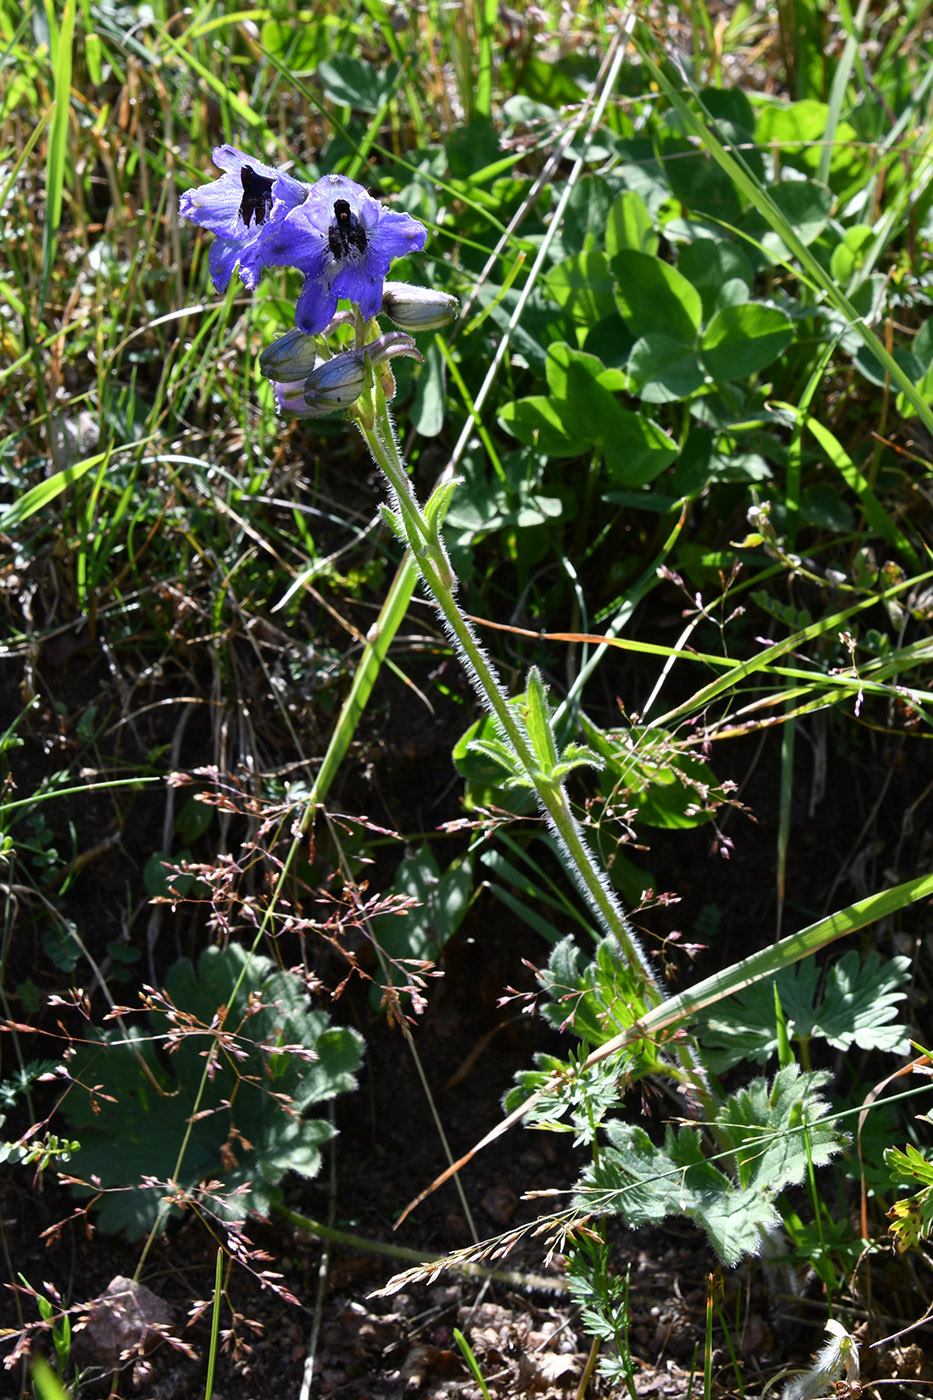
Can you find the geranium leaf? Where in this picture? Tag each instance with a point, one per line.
(771, 1129)
(858, 1007)
(273, 1057)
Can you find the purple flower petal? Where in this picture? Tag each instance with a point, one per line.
(222, 259)
(396, 235)
(343, 240)
(239, 208)
(362, 287)
(334, 232)
(315, 307)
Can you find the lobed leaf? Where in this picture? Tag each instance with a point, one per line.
(769, 1130)
(858, 1007)
(271, 1060)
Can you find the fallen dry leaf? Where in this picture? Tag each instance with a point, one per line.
(126, 1319)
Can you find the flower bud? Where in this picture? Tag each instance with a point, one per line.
(290, 358)
(290, 398)
(336, 383)
(339, 318)
(418, 308)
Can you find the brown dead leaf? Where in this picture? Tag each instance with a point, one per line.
(551, 1368)
(127, 1319)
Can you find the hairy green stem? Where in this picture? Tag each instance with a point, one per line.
(423, 536)
(437, 574)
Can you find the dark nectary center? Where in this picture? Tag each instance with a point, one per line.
(346, 231)
(257, 196)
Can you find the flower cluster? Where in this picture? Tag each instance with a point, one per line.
(343, 241)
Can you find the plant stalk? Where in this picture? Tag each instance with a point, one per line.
(424, 541)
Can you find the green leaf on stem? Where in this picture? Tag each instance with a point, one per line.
(858, 1007)
(272, 1059)
(774, 1132)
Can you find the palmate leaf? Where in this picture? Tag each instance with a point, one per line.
(858, 1007)
(644, 1184)
(773, 1129)
(765, 1127)
(860, 1004)
(132, 1104)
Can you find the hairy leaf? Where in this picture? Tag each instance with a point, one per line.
(597, 997)
(766, 1129)
(773, 1129)
(858, 1007)
(271, 1060)
(644, 1184)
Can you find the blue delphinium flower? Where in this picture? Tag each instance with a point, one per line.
(343, 240)
(241, 209)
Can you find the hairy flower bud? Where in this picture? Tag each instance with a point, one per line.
(336, 383)
(290, 398)
(291, 358)
(418, 308)
(383, 350)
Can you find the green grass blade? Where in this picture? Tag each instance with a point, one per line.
(875, 514)
(642, 586)
(215, 1327)
(44, 492)
(764, 659)
(911, 130)
(486, 13)
(52, 794)
(57, 158)
(793, 487)
(211, 81)
(542, 927)
(788, 737)
(47, 1384)
(387, 624)
(837, 91)
(471, 1361)
(788, 951)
